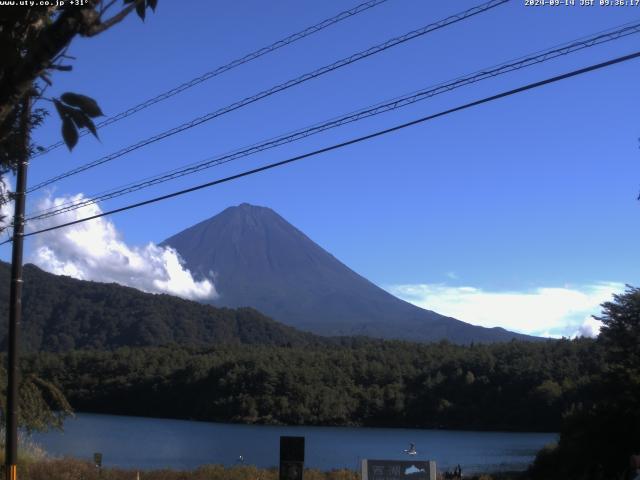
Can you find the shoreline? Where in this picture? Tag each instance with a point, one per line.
(324, 425)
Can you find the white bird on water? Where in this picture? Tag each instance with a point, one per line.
(411, 450)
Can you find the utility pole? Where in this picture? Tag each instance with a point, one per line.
(15, 297)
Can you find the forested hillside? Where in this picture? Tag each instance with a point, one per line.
(511, 386)
(61, 313)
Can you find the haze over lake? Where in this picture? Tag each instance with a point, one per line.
(150, 443)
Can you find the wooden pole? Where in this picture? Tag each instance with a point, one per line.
(15, 298)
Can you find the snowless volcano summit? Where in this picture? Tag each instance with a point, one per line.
(260, 260)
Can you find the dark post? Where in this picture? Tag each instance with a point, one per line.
(291, 458)
(15, 299)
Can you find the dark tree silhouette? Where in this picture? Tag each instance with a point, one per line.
(600, 433)
(33, 45)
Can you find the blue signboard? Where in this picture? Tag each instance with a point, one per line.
(398, 470)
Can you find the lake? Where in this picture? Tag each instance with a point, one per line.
(150, 443)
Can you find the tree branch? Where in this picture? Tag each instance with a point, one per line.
(51, 41)
(97, 28)
(16, 80)
(106, 7)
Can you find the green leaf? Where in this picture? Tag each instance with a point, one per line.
(60, 108)
(152, 4)
(82, 120)
(140, 9)
(87, 104)
(69, 133)
(92, 127)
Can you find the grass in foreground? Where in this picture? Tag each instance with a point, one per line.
(74, 469)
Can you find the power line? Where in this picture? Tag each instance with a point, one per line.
(229, 66)
(353, 141)
(521, 62)
(278, 88)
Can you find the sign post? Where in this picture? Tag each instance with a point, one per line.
(398, 470)
(291, 458)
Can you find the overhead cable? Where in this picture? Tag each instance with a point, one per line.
(225, 68)
(389, 105)
(353, 141)
(278, 88)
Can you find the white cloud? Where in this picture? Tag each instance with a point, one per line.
(548, 311)
(95, 250)
(589, 328)
(6, 208)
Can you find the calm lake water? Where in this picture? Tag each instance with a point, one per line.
(149, 443)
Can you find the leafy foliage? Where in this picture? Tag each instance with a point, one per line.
(620, 334)
(42, 404)
(601, 432)
(33, 45)
(349, 381)
(76, 112)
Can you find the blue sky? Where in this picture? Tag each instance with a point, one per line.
(484, 214)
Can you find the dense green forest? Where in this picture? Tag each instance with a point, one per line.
(61, 313)
(510, 386)
(600, 432)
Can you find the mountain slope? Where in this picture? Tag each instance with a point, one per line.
(61, 313)
(260, 260)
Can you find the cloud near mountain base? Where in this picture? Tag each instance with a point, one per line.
(547, 311)
(94, 250)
